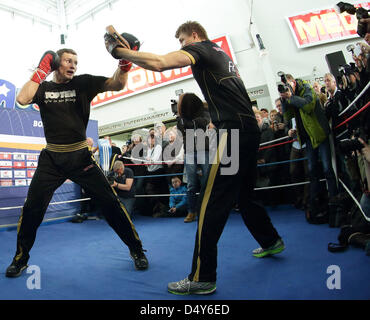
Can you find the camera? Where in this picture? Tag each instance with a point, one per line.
(284, 86)
(346, 71)
(347, 146)
(174, 107)
(111, 177)
(361, 13)
(355, 50)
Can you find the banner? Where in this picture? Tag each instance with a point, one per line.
(21, 140)
(141, 80)
(8, 93)
(323, 26)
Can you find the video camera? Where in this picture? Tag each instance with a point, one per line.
(284, 86)
(347, 146)
(111, 177)
(174, 107)
(361, 13)
(345, 71)
(354, 49)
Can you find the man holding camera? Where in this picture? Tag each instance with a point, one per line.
(300, 101)
(123, 183)
(365, 200)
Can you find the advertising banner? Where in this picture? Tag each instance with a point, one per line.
(141, 80)
(21, 140)
(323, 26)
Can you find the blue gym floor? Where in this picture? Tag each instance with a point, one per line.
(88, 261)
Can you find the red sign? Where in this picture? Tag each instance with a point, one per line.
(140, 80)
(19, 164)
(323, 26)
(5, 156)
(30, 173)
(6, 183)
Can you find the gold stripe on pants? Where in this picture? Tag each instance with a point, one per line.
(207, 194)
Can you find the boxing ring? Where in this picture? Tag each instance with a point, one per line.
(70, 205)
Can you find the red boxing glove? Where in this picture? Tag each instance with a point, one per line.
(48, 63)
(124, 65)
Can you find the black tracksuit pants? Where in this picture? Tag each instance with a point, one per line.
(79, 166)
(217, 199)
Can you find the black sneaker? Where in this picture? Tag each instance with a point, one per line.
(140, 260)
(15, 270)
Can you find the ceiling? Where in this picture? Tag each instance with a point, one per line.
(60, 14)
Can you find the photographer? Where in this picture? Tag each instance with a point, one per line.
(336, 102)
(122, 180)
(365, 200)
(300, 101)
(192, 115)
(357, 231)
(282, 152)
(363, 30)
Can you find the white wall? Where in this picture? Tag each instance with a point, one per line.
(231, 17)
(284, 54)
(154, 23)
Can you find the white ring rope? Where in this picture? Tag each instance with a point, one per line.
(183, 194)
(355, 200)
(161, 195)
(52, 203)
(354, 101)
(276, 140)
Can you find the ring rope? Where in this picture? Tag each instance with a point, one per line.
(355, 200)
(354, 101)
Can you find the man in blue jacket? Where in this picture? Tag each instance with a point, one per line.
(178, 203)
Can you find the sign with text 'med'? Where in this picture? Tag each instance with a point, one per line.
(140, 80)
(323, 26)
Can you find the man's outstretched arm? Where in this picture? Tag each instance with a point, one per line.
(154, 62)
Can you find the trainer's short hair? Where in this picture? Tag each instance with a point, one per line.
(118, 165)
(192, 26)
(65, 50)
